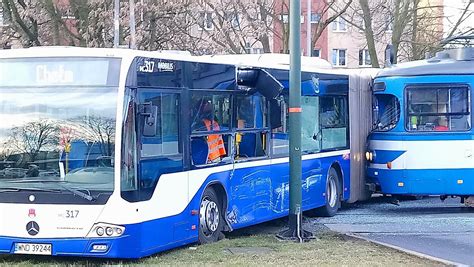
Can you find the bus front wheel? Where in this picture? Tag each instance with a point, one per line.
(333, 195)
(210, 217)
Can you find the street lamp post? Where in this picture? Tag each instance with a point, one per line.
(295, 229)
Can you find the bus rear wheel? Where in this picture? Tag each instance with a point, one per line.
(210, 217)
(333, 195)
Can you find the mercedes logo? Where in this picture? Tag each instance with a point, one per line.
(32, 228)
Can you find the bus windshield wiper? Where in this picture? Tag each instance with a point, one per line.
(76, 192)
(12, 189)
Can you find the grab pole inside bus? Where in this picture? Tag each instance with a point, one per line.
(295, 229)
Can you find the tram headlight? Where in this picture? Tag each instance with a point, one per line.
(106, 230)
(370, 155)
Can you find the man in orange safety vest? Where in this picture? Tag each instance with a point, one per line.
(215, 142)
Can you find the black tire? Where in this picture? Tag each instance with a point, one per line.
(333, 196)
(210, 217)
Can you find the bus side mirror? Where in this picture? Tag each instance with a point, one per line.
(150, 114)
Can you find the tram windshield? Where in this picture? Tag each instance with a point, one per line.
(386, 112)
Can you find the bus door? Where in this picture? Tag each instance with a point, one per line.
(160, 154)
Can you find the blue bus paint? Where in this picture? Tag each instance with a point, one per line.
(410, 155)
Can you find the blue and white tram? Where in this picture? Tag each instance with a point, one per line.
(106, 153)
(422, 139)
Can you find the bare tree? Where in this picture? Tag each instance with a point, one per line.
(217, 26)
(369, 32)
(24, 20)
(94, 129)
(328, 11)
(33, 137)
(413, 27)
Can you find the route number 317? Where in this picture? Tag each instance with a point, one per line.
(148, 66)
(71, 214)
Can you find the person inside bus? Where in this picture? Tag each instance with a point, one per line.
(215, 143)
(33, 171)
(441, 124)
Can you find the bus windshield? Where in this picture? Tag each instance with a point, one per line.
(57, 130)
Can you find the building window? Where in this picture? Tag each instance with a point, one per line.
(364, 58)
(315, 17)
(67, 14)
(339, 57)
(285, 18)
(339, 25)
(248, 48)
(233, 18)
(316, 53)
(257, 50)
(205, 20)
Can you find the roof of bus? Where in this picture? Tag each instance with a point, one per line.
(274, 61)
(53, 51)
(455, 61)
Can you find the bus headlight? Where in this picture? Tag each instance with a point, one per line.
(110, 230)
(99, 231)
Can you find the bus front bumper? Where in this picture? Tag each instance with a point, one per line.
(459, 182)
(116, 247)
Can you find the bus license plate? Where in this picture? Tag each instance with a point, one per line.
(34, 249)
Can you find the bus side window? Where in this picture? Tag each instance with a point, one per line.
(310, 130)
(129, 183)
(210, 125)
(252, 126)
(280, 142)
(334, 122)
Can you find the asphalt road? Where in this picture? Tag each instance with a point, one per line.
(440, 229)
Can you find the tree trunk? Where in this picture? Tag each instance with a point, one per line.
(369, 33)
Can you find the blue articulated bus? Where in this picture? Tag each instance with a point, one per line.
(122, 154)
(422, 139)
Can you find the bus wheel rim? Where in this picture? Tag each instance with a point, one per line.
(209, 217)
(332, 192)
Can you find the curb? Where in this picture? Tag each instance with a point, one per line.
(408, 251)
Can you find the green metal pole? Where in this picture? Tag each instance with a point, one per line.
(295, 118)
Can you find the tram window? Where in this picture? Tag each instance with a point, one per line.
(334, 122)
(210, 108)
(438, 109)
(386, 112)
